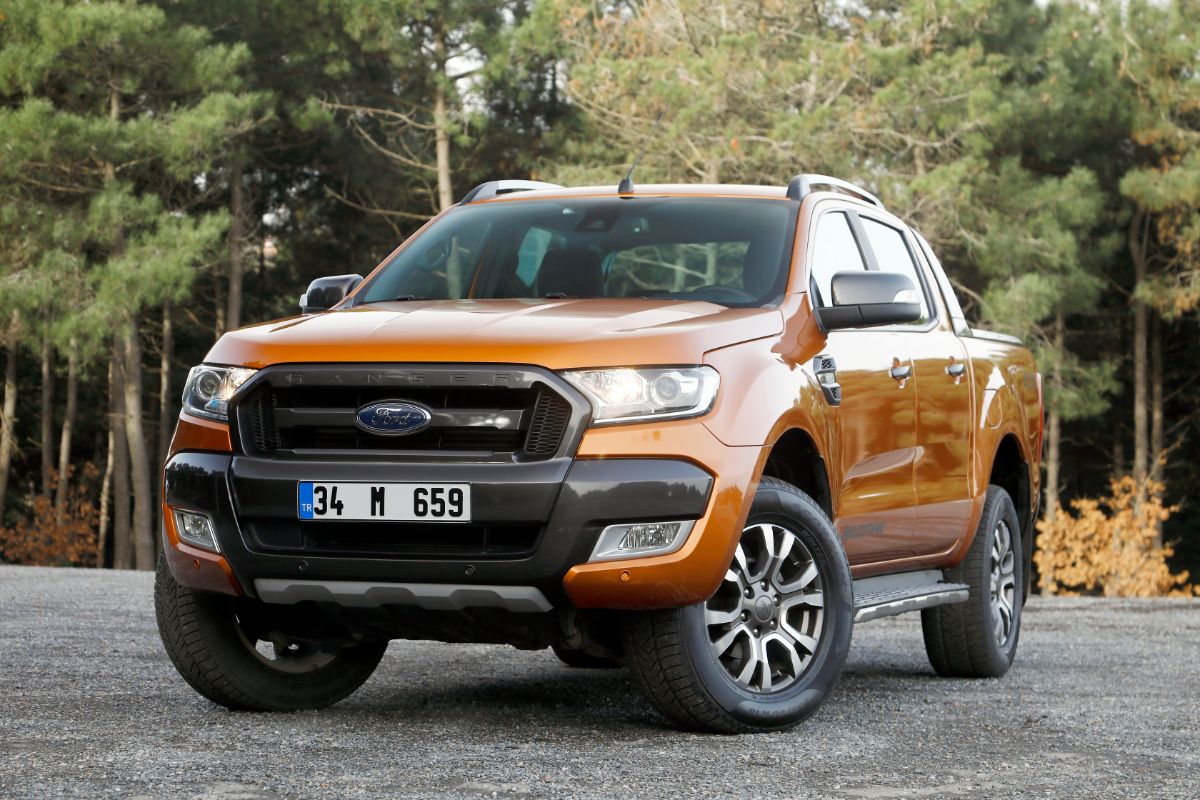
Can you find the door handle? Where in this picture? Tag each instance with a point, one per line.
(956, 369)
(901, 372)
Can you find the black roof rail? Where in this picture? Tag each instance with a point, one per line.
(801, 185)
(490, 189)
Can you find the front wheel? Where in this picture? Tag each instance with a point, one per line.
(578, 659)
(766, 649)
(217, 647)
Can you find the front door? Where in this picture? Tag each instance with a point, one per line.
(876, 419)
(877, 439)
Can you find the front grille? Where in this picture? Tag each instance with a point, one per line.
(524, 421)
(393, 539)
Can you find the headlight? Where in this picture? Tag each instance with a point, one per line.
(208, 389)
(626, 394)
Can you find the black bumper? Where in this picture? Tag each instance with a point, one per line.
(559, 506)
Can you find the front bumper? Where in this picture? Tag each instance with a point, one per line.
(569, 501)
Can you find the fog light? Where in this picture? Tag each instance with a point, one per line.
(196, 529)
(641, 539)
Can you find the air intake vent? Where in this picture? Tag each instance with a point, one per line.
(551, 414)
(262, 421)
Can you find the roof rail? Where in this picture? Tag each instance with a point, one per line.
(490, 189)
(801, 185)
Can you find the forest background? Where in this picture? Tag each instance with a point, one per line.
(171, 170)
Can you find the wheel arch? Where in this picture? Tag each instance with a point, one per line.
(794, 457)
(1010, 471)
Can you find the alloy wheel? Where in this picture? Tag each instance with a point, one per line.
(1003, 583)
(764, 622)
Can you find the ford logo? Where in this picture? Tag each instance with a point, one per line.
(392, 418)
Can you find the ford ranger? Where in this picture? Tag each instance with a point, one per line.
(696, 431)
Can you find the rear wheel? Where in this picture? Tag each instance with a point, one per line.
(224, 654)
(766, 649)
(978, 638)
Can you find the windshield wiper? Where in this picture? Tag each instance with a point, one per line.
(404, 297)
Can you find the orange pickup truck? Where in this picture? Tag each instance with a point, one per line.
(696, 431)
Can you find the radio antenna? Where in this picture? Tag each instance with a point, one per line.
(626, 184)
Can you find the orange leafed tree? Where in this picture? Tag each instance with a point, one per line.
(53, 538)
(1107, 546)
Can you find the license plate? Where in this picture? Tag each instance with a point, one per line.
(396, 502)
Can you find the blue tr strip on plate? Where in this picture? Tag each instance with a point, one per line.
(305, 495)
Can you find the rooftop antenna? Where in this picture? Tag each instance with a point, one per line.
(626, 184)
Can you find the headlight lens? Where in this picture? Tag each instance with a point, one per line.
(626, 394)
(208, 389)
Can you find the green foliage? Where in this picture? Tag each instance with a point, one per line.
(1024, 139)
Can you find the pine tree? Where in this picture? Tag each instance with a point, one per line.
(109, 111)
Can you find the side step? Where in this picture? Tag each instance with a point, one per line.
(888, 595)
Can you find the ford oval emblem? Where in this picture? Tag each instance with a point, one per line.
(392, 418)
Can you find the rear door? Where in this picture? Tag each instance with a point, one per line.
(941, 466)
(876, 420)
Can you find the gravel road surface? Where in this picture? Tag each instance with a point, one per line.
(1104, 701)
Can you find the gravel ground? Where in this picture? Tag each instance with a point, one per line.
(1103, 701)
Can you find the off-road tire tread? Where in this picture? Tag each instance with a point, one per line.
(659, 670)
(955, 634)
(654, 654)
(181, 612)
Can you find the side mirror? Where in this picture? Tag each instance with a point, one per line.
(325, 293)
(865, 299)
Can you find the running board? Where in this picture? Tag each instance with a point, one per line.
(888, 595)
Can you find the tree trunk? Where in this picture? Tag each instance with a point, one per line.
(8, 418)
(122, 541)
(1054, 423)
(68, 425)
(139, 462)
(1139, 232)
(166, 403)
(106, 485)
(1118, 453)
(219, 306)
(1157, 446)
(237, 245)
(441, 123)
(47, 414)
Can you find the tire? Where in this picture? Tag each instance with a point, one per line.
(687, 661)
(577, 659)
(971, 639)
(210, 649)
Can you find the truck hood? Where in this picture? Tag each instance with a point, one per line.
(557, 334)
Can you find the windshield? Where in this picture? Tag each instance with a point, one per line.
(733, 252)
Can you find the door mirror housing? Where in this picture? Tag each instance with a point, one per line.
(325, 293)
(866, 299)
